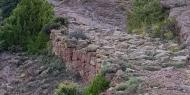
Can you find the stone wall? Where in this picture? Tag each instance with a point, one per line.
(79, 60)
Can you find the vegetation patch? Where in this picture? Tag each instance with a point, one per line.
(56, 23)
(24, 25)
(98, 85)
(147, 17)
(67, 88)
(129, 86)
(144, 12)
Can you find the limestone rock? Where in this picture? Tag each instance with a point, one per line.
(180, 58)
(92, 48)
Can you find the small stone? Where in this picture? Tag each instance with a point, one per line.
(98, 60)
(180, 58)
(130, 70)
(92, 48)
(121, 39)
(107, 47)
(92, 62)
(119, 73)
(116, 33)
(82, 43)
(123, 45)
(120, 93)
(168, 69)
(22, 75)
(146, 94)
(125, 57)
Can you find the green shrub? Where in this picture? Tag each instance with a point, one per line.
(48, 27)
(144, 13)
(98, 85)
(7, 7)
(55, 64)
(38, 44)
(67, 88)
(130, 86)
(62, 21)
(164, 29)
(55, 24)
(25, 23)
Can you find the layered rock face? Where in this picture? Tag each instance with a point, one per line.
(180, 10)
(78, 54)
(87, 16)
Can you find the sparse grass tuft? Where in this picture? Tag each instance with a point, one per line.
(67, 88)
(98, 85)
(130, 86)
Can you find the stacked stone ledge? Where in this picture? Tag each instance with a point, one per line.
(77, 58)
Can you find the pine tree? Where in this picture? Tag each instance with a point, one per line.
(25, 23)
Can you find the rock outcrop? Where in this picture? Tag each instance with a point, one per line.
(79, 55)
(180, 11)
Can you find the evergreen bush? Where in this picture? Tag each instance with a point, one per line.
(25, 23)
(37, 45)
(55, 24)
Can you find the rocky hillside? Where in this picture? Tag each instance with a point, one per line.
(135, 64)
(24, 75)
(161, 65)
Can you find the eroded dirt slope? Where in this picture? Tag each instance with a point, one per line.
(22, 75)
